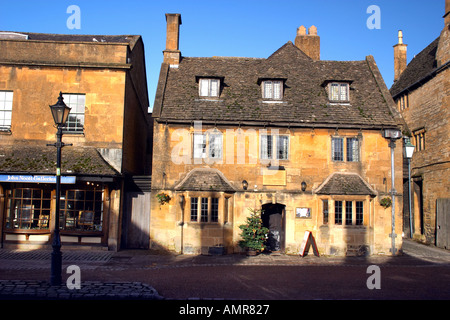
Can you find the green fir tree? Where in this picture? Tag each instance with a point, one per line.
(253, 233)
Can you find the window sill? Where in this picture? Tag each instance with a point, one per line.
(215, 99)
(6, 132)
(274, 101)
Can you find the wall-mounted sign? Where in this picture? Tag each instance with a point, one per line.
(303, 213)
(35, 178)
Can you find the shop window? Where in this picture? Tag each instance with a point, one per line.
(81, 210)
(28, 209)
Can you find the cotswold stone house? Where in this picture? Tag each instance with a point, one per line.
(295, 136)
(422, 93)
(103, 81)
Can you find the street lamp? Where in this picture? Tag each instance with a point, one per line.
(392, 135)
(60, 112)
(408, 151)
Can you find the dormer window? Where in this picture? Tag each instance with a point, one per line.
(272, 89)
(209, 87)
(338, 92)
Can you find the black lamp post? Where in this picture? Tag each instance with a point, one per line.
(60, 113)
(392, 135)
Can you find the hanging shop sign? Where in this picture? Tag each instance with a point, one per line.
(35, 178)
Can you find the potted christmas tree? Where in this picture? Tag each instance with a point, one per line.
(253, 233)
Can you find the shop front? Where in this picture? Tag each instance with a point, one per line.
(28, 211)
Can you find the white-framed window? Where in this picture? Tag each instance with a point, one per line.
(208, 145)
(209, 87)
(272, 89)
(353, 149)
(353, 210)
(274, 147)
(6, 102)
(204, 209)
(338, 91)
(75, 121)
(351, 153)
(337, 149)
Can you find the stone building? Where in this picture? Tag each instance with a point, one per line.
(300, 138)
(422, 93)
(103, 81)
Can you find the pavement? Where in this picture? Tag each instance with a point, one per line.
(25, 274)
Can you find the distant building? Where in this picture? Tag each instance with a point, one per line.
(295, 136)
(103, 80)
(422, 93)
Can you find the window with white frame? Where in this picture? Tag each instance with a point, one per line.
(274, 147)
(351, 153)
(352, 149)
(338, 92)
(204, 209)
(6, 101)
(209, 87)
(354, 212)
(75, 121)
(272, 89)
(208, 145)
(337, 149)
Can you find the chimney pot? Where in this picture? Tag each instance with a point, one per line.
(301, 31)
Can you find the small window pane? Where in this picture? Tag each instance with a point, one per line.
(352, 149)
(282, 147)
(199, 146)
(325, 211)
(359, 212)
(215, 146)
(338, 212)
(194, 209)
(204, 210)
(348, 212)
(266, 147)
(214, 209)
(337, 149)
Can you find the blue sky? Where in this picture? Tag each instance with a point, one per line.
(243, 28)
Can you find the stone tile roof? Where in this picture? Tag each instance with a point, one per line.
(305, 100)
(205, 179)
(42, 160)
(343, 183)
(70, 37)
(421, 66)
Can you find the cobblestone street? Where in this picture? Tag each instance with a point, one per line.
(141, 274)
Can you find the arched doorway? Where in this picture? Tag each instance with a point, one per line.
(273, 217)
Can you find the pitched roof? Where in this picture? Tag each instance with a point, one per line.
(305, 100)
(42, 160)
(343, 183)
(421, 66)
(205, 179)
(130, 39)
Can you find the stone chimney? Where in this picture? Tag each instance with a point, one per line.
(443, 50)
(172, 54)
(447, 13)
(400, 61)
(308, 43)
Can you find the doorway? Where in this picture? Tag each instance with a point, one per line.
(273, 218)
